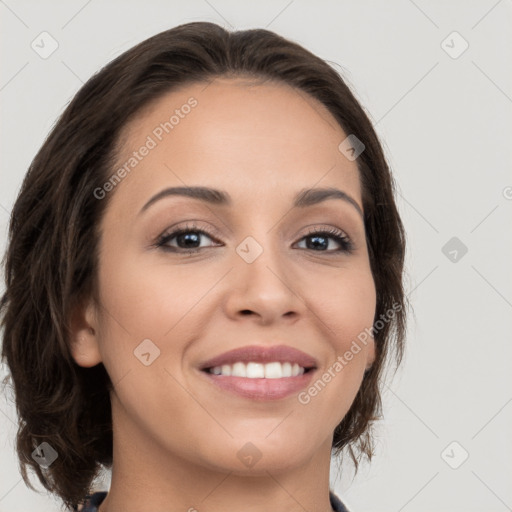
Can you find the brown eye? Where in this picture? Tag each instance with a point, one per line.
(188, 239)
(320, 239)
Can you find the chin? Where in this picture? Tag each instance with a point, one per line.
(257, 457)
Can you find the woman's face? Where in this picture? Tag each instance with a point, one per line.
(258, 278)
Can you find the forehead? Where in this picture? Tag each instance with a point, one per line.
(236, 134)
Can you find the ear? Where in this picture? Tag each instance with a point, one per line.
(370, 354)
(84, 344)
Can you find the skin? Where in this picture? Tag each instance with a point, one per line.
(176, 436)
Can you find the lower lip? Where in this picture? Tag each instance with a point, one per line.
(261, 389)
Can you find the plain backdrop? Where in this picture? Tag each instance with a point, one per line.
(435, 78)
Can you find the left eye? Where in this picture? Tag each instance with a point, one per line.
(191, 237)
(339, 237)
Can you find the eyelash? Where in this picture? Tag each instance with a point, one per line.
(341, 238)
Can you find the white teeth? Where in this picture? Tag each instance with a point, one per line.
(226, 369)
(296, 370)
(238, 370)
(287, 369)
(255, 371)
(274, 370)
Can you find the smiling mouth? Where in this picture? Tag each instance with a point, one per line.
(255, 370)
(260, 381)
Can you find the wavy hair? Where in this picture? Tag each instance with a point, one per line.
(51, 261)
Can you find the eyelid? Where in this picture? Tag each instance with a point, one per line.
(191, 225)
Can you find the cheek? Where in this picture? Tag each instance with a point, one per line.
(141, 303)
(349, 310)
(348, 304)
(346, 307)
(142, 291)
(147, 301)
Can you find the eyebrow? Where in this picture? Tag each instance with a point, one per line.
(303, 199)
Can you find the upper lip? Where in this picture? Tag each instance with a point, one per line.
(260, 354)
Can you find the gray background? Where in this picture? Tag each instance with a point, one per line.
(444, 120)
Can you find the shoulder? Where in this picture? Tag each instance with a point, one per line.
(337, 504)
(92, 502)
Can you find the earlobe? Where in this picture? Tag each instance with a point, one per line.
(370, 357)
(84, 344)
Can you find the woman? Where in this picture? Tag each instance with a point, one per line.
(203, 280)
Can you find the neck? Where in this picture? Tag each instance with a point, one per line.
(146, 476)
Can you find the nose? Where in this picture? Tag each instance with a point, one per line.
(263, 286)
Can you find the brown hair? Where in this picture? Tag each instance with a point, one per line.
(51, 263)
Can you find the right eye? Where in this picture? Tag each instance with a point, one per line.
(188, 236)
